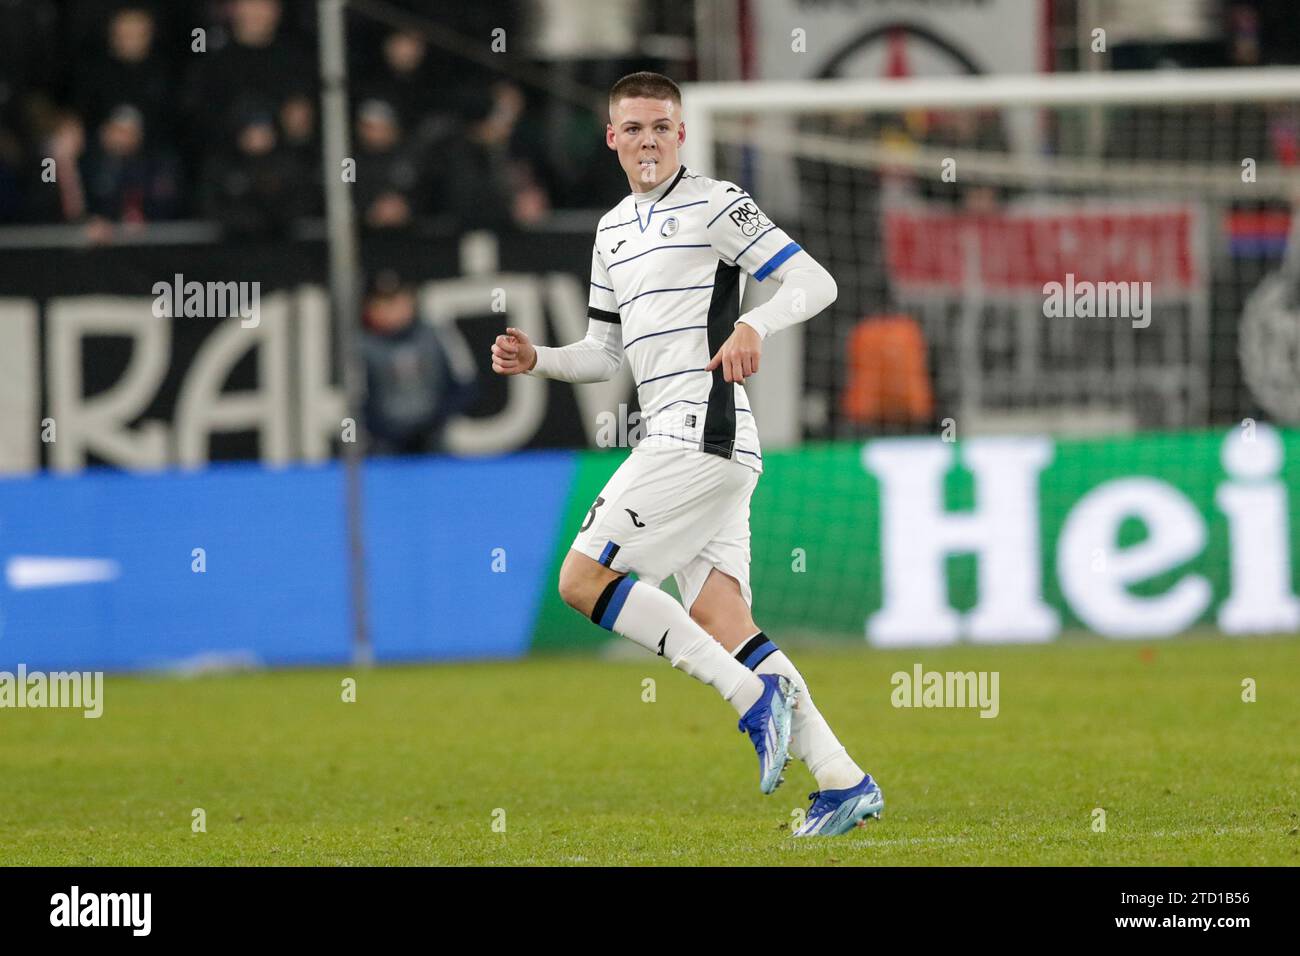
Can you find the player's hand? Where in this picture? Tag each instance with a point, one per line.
(513, 353)
(739, 354)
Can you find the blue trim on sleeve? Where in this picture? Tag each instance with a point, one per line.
(771, 265)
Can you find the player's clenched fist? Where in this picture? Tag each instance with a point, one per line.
(513, 353)
(739, 354)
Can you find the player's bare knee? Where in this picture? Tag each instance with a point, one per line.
(572, 586)
(582, 580)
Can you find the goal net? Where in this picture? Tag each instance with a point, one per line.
(1097, 261)
(944, 207)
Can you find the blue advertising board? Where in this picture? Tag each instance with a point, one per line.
(247, 564)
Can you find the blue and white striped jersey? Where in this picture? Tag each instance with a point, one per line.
(666, 269)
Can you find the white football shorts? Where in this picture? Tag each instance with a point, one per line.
(673, 511)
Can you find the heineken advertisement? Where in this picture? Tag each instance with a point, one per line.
(918, 541)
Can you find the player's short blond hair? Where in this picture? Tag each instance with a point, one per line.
(653, 86)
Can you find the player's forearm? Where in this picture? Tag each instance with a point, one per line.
(806, 289)
(595, 358)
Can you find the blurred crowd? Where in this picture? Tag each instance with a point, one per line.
(118, 113)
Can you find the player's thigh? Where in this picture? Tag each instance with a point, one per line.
(658, 511)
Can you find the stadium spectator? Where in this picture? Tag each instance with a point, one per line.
(126, 180)
(128, 71)
(256, 187)
(406, 80)
(413, 384)
(64, 198)
(298, 123)
(11, 174)
(31, 52)
(30, 59)
(300, 138)
(392, 182)
(257, 64)
(485, 186)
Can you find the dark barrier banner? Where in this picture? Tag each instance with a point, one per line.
(146, 357)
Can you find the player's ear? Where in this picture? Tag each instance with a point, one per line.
(681, 132)
(609, 136)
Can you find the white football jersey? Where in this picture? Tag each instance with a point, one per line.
(666, 268)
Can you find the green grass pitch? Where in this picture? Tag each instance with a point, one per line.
(581, 770)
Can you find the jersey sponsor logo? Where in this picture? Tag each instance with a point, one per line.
(619, 246)
(669, 228)
(636, 519)
(748, 219)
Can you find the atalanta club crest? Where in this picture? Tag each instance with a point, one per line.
(669, 228)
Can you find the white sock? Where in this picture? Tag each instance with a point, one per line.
(656, 621)
(811, 738)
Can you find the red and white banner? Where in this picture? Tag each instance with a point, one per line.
(934, 249)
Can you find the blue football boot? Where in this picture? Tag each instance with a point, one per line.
(768, 725)
(835, 812)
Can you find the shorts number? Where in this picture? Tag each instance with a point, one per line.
(591, 515)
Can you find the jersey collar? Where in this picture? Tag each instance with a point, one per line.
(654, 197)
(662, 190)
